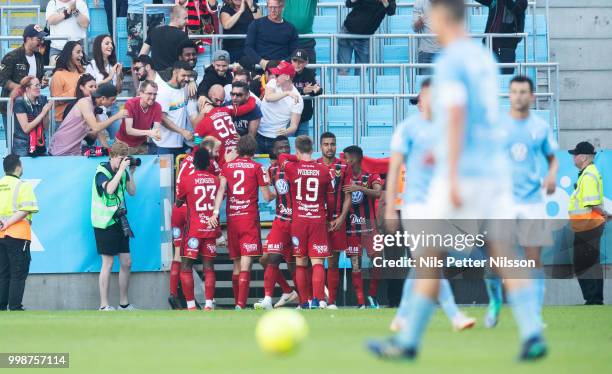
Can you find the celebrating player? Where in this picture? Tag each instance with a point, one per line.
(198, 190)
(530, 139)
(466, 115)
(338, 205)
(309, 184)
(364, 189)
(218, 120)
(279, 238)
(241, 178)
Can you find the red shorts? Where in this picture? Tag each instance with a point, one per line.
(337, 239)
(357, 243)
(243, 238)
(178, 220)
(195, 247)
(310, 240)
(279, 239)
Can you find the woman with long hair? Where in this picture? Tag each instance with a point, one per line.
(31, 120)
(86, 85)
(105, 69)
(68, 69)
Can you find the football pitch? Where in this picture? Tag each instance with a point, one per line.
(580, 340)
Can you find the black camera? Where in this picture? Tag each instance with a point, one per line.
(121, 217)
(134, 161)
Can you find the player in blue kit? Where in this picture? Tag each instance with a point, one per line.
(530, 138)
(471, 179)
(411, 144)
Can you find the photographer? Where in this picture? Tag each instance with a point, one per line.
(109, 219)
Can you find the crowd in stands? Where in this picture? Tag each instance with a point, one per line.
(270, 66)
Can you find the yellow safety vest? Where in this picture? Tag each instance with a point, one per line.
(588, 193)
(17, 195)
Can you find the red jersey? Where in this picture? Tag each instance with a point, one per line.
(244, 177)
(362, 215)
(278, 177)
(198, 190)
(340, 174)
(309, 184)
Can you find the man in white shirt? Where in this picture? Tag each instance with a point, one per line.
(179, 114)
(67, 18)
(281, 107)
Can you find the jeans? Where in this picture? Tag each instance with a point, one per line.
(264, 144)
(505, 55)
(14, 268)
(361, 47)
(426, 58)
(303, 129)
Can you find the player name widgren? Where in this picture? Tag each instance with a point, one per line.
(434, 262)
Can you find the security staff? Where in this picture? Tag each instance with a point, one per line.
(17, 204)
(587, 221)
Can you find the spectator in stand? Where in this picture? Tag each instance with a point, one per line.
(201, 20)
(249, 122)
(505, 17)
(301, 13)
(135, 20)
(187, 51)
(306, 83)
(68, 69)
(144, 116)
(142, 70)
(66, 18)
(31, 120)
(121, 8)
(21, 62)
(161, 41)
(85, 87)
(236, 16)
(241, 75)
(258, 84)
(364, 19)
(271, 38)
(179, 116)
(216, 73)
(81, 121)
(281, 107)
(421, 23)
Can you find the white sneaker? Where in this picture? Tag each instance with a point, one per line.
(287, 298)
(129, 307)
(332, 307)
(462, 322)
(106, 308)
(266, 304)
(322, 304)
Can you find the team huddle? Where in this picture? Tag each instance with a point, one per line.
(323, 207)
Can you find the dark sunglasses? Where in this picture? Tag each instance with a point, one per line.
(237, 94)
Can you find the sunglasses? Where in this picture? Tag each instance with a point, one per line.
(237, 94)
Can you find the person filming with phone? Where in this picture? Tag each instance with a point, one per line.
(109, 220)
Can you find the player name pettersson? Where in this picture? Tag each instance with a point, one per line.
(434, 262)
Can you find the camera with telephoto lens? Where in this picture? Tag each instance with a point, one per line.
(121, 217)
(134, 161)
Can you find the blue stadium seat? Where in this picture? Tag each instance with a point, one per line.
(387, 84)
(395, 53)
(97, 25)
(343, 142)
(122, 56)
(379, 120)
(347, 84)
(403, 10)
(323, 51)
(400, 24)
(325, 25)
(541, 52)
(478, 23)
(340, 115)
(375, 144)
(504, 83)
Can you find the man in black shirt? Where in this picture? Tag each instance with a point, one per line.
(216, 73)
(364, 19)
(162, 40)
(306, 83)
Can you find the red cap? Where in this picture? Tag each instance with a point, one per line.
(284, 68)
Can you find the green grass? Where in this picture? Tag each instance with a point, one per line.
(580, 340)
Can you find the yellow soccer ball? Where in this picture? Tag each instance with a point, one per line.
(281, 331)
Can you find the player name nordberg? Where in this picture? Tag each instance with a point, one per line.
(434, 262)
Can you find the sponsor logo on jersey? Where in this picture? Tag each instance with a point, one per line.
(355, 220)
(277, 247)
(250, 247)
(518, 152)
(176, 232)
(356, 197)
(282, 187)
(320, 249)
(212, 248)
(295, 241)
(193, 243)
(284, 210)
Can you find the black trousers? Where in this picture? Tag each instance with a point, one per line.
(121, 5)
(14, 268)
(507, 56)
(587, 265)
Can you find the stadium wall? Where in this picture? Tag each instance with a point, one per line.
(581, 41)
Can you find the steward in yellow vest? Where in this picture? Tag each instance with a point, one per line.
(17, 204)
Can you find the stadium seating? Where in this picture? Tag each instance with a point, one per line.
(375, 145)
(325, 25)
(379, 120)
(389, 84)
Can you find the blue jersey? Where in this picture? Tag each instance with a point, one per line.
(413, 138)
(465, 75)
(529, 141)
